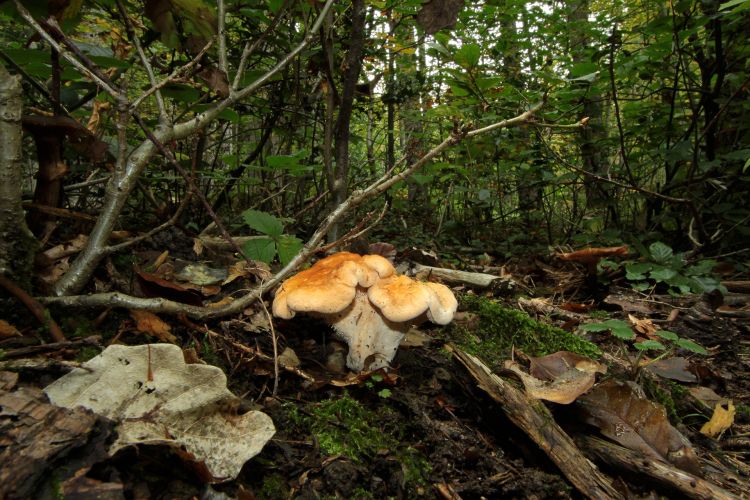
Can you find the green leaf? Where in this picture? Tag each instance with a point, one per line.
(468, 55)
(289, 246)
(275, 5)
(384, 393)
(650, 345)
(263, 222)
(667, 335)
(619, 328)
(635, 271)
(660, 252)
(662, 273)
(690, 346)
(261, 249)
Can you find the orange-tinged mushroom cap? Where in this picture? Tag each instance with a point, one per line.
(401, 299)
(330, 285)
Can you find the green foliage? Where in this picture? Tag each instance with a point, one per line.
(663, 267)
(276, 243)
(623, 331)
(499, 329)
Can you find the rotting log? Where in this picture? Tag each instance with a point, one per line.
(659, 472)
(536, 421)
(453, 277)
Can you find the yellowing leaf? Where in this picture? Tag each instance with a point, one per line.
(721, 420)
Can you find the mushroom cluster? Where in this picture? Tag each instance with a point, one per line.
(369, 306)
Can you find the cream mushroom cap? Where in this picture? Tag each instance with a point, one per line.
(330, 285)
(402, 299)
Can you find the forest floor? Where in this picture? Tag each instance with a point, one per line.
(428, 427)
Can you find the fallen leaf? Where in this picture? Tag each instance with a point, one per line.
(676, 368)
(644, 326)
(7, 330)
(289, 358)
(707, 396)
(185, 406)
(415, 338)
(149, 323)
(721, 420)
(623, 413)
(565, 388)
(553, 365)
(197, 246)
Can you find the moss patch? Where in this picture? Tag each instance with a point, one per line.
(498, 329)
(344, 426)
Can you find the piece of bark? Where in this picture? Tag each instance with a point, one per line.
(536, 421)
(737, 286)
(35, 435)
(453, 277)
(660, 472)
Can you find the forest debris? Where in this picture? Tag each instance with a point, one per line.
(664, 473)
(562, 385)
(536, 421)
(643, 326)
(149, 323)
(563, 390)
(156, 398)
(623, 414)
(35, 435)
(543, 306)
(721, 420)
(7, 330)
(706, 396)
(201, 275)
(677, 368)
(39, 312)
(592, 255)
(454, 277)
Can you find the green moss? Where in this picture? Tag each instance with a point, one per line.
(500, 329)
(666, 398)
(344, 426)
(274, 486)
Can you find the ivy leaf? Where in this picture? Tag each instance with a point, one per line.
(289, 247)
(262, 249)
(690, 346)
(263, 222)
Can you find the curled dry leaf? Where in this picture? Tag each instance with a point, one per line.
(156, 398)
(721, 420)
(567, 377)
(623, 413)
(676, 368)
(149, 323)
(643, 326)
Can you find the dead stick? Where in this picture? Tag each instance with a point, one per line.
(536, 421)
(660, 472)
(35, 307)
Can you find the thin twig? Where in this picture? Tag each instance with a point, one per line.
(39, 312)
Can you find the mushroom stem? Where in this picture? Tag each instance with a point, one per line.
(372, 339)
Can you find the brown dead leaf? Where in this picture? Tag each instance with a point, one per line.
(95, 118)
(553, 365)
(643, 326)
(721, 420)
(161, 259)
(706, 396)
(197, 246)
(7, 330)
(565, 388)
(673, 368)
(415, 338)
(149, 323)
(623, 413)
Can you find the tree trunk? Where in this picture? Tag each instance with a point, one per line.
(17, 244)
(339, 184)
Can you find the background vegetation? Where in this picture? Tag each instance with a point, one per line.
(642, 134)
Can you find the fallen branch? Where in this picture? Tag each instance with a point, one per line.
(663, 473)
(533, 418)
(455, 277)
